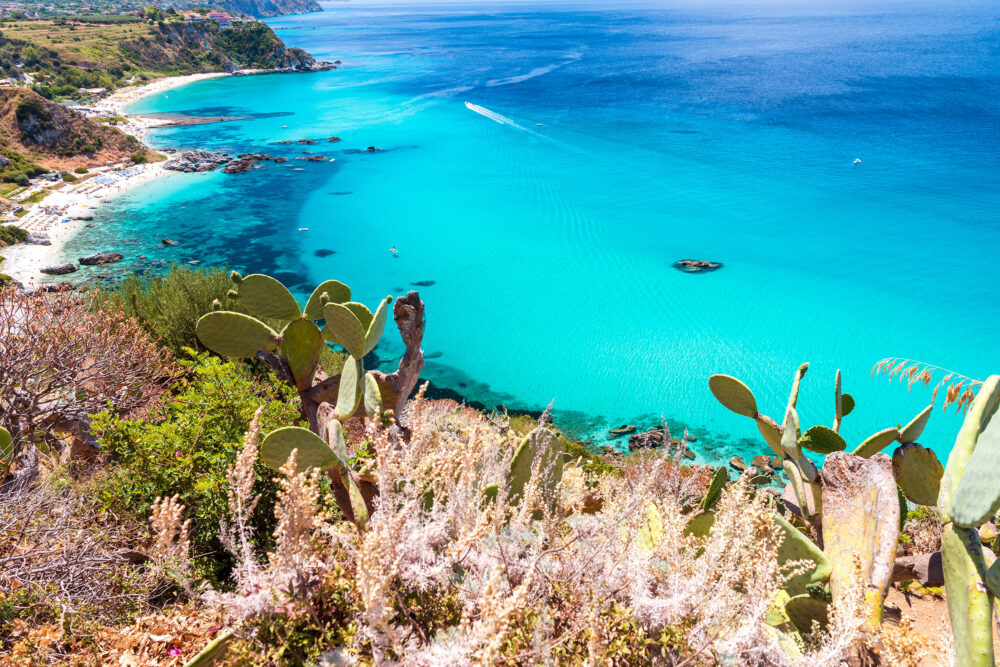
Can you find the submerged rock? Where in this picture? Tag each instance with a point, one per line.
(166, 241)
(696, 266)
(738, 463)
(423, 283)
(624, 429)
(60, 269)
(324, 252)
(102, 258)
(246, 162)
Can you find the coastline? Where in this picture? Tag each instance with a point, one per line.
(64, 210)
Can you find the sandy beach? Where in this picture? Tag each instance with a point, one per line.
(61, 213)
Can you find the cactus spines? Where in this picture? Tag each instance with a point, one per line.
(803, 609)
(918, 473)
(374, 331)
(733, 394)
(313, 452)
(235, 334)
(876, 442)
(301, 345)
(335, 291)
(235, 277)
(264, 296)
(912, 431)
(349, 393)
(977, 495)
(860, 520)
(715, 487)
(822, 440)
(344, 329)
(373, 399)
(795, 547)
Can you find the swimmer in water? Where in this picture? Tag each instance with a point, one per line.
(393, 250)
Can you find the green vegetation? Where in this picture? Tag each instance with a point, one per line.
(81, 170)
(10, 235)
(69, 178)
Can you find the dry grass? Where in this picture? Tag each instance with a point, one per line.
(959, 389)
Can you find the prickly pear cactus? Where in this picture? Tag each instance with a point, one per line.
(797, 547)
(701, 524)
(539, 450)
(860, 519)
(344, 329)
(301, 346)
(715, 488)
(822, 440)
(329, 291)
(266, 297)
(918, 473)
(912, 431)
(977, 495)
(804, 609)
(875, 443)
(349, 394)
(313, 452)
(733, 394)
(5, 442)
(236, 335)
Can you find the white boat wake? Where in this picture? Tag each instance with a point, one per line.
(495, 117)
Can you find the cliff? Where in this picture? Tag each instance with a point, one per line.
(55, 137)
(265, 8)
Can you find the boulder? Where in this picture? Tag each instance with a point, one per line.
(195, 161)
(923, 568)
(624, 429)
(646, 440)
(245, 162)
(38, 238)
(166, 241)
(738, 463)
(102, 258)
(696, 265)
(60, 269)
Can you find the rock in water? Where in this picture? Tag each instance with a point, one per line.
(696, 266)
(195, 161)
(60, 269)
(166, 241)
(245, 162)
(101, 258)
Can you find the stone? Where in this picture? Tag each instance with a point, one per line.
(777, 463)
(245, 162)
(316, 158)
(102, 258)
(624, 429)
(195, 161)
(696, 266)
(60, 269)
(762, 463)
(926, 569)
(166, 241)
(738, 463)
(646, 440)
(38, 238)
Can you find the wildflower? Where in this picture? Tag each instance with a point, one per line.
(177, 454)
(174, 651)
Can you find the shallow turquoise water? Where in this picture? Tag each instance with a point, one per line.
(726, 134)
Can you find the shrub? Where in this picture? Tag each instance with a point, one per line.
(11, 234)
(139, 158)
(22, 179)
(81, 170)
(168, 305)
(69, 178)
(5, 280)
(185, 445)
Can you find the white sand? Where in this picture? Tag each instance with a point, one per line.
(58, 215)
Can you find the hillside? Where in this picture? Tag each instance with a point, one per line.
(266, 8)
(61, 57)
(56, 137)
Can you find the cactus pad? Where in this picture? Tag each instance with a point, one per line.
(912, 431)
(344, 329)
(651, 530)
(977, 496)
(790, 434)
(803, 609)
(969, 603)
(733, 394)
(918, 473)
(701, 524)
(846, 404)
(876, 443)
(264, 296)
(301, 345)
(5, 440)
(336, 291)
(541, 446)
(235, 334)
(796, 546)
(860, 521)
(771, 433)
(374, 330)
(373, 398)
(361, 312)
(313, 452)
(799, 374)
(822, 440)
(715, 488)
(349, 392)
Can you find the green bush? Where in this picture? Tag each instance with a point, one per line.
(81, 170)
(5, 280)
(22, 179)
(10, 234)
(168, 305)
(139, 158)
(69, 178)
(185, 447)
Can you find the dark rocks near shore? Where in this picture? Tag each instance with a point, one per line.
(325, 252)
(624, 429)
(423, 283)
(696, 266)
(196, 161)
(101, 258)
(166, 241)
(316, 158)
(246, 162)
(308, 142)
(738, 463)
(60, 269)
(38, 238)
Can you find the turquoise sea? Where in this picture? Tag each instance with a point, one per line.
(612, 142)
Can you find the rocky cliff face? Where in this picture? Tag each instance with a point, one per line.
(265, 8)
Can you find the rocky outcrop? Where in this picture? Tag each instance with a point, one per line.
(696, 266)
(101, 258)
(196, 161)
(246, 162)
(38, 238)
(924, 568)
(60, 269)
(268, 8)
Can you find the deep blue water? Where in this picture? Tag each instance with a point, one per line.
(615, 142)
